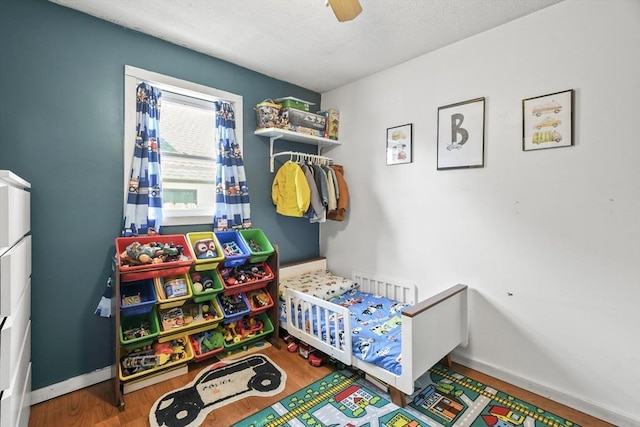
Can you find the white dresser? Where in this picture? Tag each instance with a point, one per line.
(15, 300)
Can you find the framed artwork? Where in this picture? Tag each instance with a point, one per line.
(547, 121)
(461, 135)
(400, 144)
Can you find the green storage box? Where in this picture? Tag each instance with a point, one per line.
(291, 102)
(259, 246)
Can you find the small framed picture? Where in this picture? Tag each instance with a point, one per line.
(400, 144)
(461, 135)
(547, 121)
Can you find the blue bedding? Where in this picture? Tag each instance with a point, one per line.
(376, 328)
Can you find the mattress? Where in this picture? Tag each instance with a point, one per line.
(320, 283)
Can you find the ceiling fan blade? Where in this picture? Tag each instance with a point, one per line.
(345, 10)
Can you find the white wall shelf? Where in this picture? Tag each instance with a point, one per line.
(274, 134)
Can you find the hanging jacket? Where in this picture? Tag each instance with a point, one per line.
(316, 208)
(343, 200)
(290, 191)
(332, 205)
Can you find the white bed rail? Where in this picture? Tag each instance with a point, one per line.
(430, 330)
(325, 313)
(405, 292)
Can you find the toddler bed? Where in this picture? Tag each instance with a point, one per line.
(347, 319)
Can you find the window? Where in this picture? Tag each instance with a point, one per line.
(187, 146)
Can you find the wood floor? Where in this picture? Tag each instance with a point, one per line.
(94, 406)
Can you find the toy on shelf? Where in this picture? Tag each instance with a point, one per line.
(259, 299)
(172, 318)
(254, 246)
(231, 249)
(201, 311)
(189, 314)
(233, 304)
(244, 274)
(151, 253)
(248, 327)
(150, 357)
(205, 249)
(131, 299)
(175, 287)
(201, 283)
(142, 331)
(208, 341)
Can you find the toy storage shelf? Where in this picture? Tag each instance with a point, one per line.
(274, 134)
(156, 375)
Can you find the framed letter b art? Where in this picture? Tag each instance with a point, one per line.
(461, 135)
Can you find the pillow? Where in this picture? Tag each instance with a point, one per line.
(320, 283)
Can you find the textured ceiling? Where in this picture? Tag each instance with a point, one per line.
(301, 41)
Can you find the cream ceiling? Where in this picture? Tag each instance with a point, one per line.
(301, 41)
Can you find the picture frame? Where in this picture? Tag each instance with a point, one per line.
(400, 144)
(547, 121)
(461, 135)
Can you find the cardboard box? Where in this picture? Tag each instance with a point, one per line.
(306, 131)
(294, 117)
(333, 122)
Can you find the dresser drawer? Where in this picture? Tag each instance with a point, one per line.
(15, 270)
(12, 337)
(15, 214)
(15, 402)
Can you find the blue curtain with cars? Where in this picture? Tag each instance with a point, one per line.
(143, 211)
(232, 193)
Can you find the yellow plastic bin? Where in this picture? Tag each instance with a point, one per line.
(136, 364)
(172, 291)
(207, 250)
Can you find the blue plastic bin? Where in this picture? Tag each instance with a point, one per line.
(140, 291)
(234, 306)
(232, 238)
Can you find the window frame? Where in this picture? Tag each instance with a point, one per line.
(132, 77)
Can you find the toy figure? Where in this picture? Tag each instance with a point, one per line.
(200, 283)
(150, 253)
(205, 248)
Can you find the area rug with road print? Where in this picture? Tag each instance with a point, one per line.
(445, 398)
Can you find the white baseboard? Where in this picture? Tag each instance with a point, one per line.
(72, 384)
(593, 409)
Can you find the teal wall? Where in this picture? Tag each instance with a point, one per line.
(61, 126)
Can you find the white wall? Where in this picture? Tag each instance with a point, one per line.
(548, 240)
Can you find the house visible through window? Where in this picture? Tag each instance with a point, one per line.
(187, 150)
(187, 143)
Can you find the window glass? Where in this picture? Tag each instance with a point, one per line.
(187, 143)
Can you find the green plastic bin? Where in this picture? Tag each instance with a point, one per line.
(259, 246)
(134, 322)
(209, 293)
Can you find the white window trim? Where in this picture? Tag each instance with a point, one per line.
(133, 76)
